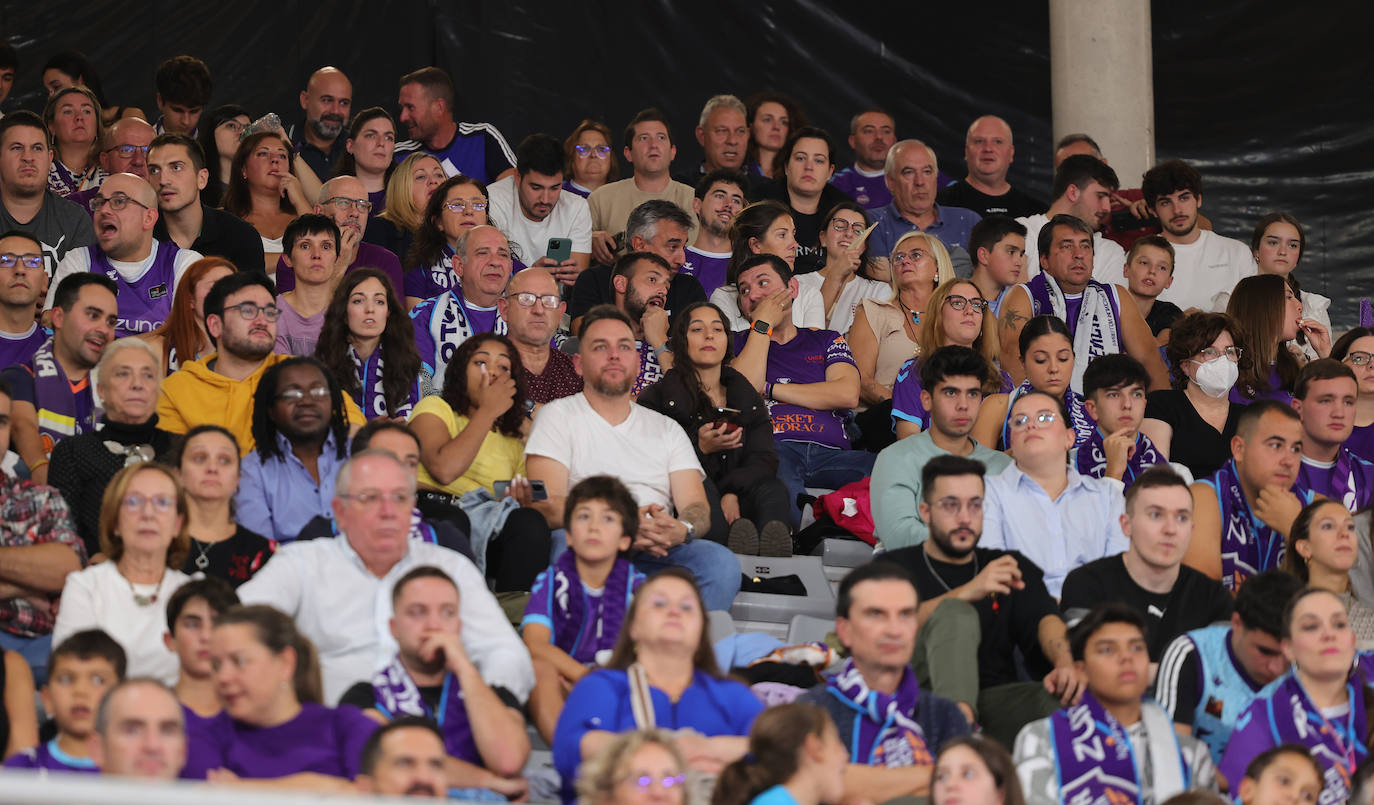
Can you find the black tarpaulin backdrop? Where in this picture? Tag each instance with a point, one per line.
(1271, 100)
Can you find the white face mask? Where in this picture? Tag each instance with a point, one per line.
(1217, 376)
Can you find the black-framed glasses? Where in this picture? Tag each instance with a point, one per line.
(294, 396)
(117, 202)
(344, 203)
(527, 299)
(958, 302)
(592, 151)
(250, 310)
(10, 260)
(1021, 421)
(1352, 358)
(128, 151)
(1212, 353)
(458, 205)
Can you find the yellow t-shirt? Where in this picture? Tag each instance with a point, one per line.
(500, 458)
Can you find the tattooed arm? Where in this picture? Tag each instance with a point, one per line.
(1016, 311)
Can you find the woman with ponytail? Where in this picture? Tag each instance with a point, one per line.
(274, 727)
(795, 758)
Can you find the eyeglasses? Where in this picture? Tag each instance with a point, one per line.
(1212, 353)
(1021, 421)
(953, 506)
(646, 781)
(840, 225)
(128, 151)
(459, 206)
(250, 310)
(162, 503)
(35, 261)
(294, 396)
(360, 204)
(915, 255)
(527, 299)
(1353, 358)
(592, 152)
(371, 497)
(117, 202)
(958, 302)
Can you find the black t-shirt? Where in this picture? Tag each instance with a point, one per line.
(1015, 623)
(1013, 203)
(234, 560)
(223, 235)
(1162, 316)
(810, 252)
(1194, 602)
(1195, 444)
(593, 287)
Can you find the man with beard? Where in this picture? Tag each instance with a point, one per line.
(326, 100)
(52, 397)
(177, 172)
(404, 757)
(481, 259)
(484, 743)
(344, 199)
(602, 432)
(640, 280)
(532, 311)
(532, 208)
(428, 107)
(1205, 263)
(241, 317)
(146, 270)
(21, 286)
(719, 198)
(26, 203)
(301, 430)
(978, 605)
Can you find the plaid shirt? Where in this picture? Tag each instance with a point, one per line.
(32, 514)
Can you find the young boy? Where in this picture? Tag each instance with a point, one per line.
(1282, 775)
(576, 607)
(191, 613)
(312, 250)
(81, 669)
(1114, 396)
(997, 245)
(1149, 271)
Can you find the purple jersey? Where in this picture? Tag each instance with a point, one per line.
(1361, 442)
(870, 191)
(707, 267)
(804, 359)
(15, 349)
(50, 757)
(323, 740)
(427, 282)
(145, 303)
(444, 322)
(906, 396)
(477, 150)
(573, 187)
(202, 742)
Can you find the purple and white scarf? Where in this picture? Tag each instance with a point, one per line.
(580, 633)
(1084, 426)
(1248, 545)
(1090, 457)
(64, 183)
(1338, 747)
(61, 413)
(397, 696)
(888, 734)
(1351, 481)
(1095, 325)
(1095, 762)
(371, 396)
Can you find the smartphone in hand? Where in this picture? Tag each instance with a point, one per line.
(559, 250)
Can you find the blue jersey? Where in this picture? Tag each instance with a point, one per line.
(1223, 689)
(477, 150)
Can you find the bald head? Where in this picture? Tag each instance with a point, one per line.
(988, 153)
(895, 154)
(532, 280)
(327, 101)
(125, 234)
(339, 199)
(126, 147)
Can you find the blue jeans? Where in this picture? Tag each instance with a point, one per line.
(717, 570)
(803, 464)
(35, 651)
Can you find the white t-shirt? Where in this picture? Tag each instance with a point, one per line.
(569, 218)
(854, 292)
(643, 451)
(808, 309)
(1204, 268)
(79, 260)
(1109, 259)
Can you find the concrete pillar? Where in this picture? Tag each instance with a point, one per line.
(1102, 80)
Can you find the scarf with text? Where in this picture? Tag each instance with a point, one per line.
(1338, 747)
(1095, 760)
(371, 396)
(580, 633)
(1090, 457)
(887, 733)
(1095, 329)
(1248, 545)
(397, 696)
(62, 412)
(1083, 425)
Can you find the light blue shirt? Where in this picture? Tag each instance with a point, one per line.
(277, 497)
(952, 226)
(1058, 535)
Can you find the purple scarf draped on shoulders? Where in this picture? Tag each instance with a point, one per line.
(579, 633)
(371, 397)
(1248, 545)
(397, 696)
(60, 412)
(888, 734)
(1090, 457)
(1339, 747)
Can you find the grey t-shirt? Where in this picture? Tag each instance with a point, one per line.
(60, 226)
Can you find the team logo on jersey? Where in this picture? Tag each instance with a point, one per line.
(157, 291)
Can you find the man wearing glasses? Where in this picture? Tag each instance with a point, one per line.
(344, 199)
(145, 269)
(339, 589)
(532, 310)
(125, 150)
(241, 317)
(21, 286)
(533, 209)
(177, 172)
(1042, 507)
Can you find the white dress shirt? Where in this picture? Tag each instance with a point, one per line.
(346, 611)
(1083, 524)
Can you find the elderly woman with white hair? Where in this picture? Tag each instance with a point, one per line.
(127, 380)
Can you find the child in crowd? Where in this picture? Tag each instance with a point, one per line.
(576, 606)
(1149, 271)
(81, 669)
(1114, 396)
(191, 614)
(1282, 775)
(795, 757)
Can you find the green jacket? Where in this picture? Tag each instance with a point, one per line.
(895, 491)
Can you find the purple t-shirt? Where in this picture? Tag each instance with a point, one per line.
(1361, 442)
(870, 191)
(48, 756)
(16, 349)
(323, 740)
(906, 396)
(378, 200)
(804, 359)
(297, 334)
(707, 267)
(202, 742)
(370, 255)
(1275, 392)
(572, 187)
(143, 305)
